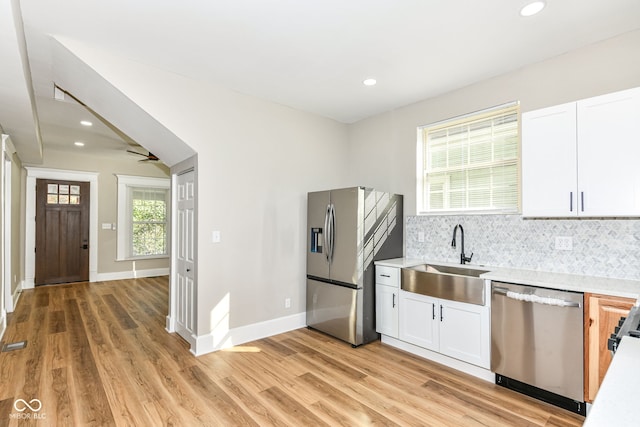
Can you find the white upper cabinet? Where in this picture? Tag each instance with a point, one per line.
(609, 154)
(582, 158)
(549, 168)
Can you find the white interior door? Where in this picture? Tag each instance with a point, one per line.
(185, 297)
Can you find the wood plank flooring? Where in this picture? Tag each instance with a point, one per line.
(98, 354)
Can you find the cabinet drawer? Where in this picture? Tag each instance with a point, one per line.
(389, 276)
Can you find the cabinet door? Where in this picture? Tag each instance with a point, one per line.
(418, 320)
(603, 315)
(465, 332)
(549, 168)
(608, 154)
(387, 310)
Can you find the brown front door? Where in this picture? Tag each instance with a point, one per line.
(62, 231)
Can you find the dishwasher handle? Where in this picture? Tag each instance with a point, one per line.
(535, 298)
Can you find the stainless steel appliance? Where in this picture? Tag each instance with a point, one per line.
(348, 229)
(627, 326)
(537, 343)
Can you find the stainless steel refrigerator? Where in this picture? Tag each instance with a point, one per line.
(348, 229)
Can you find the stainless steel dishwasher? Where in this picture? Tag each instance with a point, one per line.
(537, 343)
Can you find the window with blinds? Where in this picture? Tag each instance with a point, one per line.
(471, 163)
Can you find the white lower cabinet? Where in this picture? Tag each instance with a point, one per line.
(465, 332)
(387, 300)
(458, 330)
(418, 324)
(387, 310)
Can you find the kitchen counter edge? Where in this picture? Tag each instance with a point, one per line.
(567, 282)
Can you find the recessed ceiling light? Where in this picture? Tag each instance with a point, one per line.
(369, 82)
(532, 8)
(78, 144)
(86, 123)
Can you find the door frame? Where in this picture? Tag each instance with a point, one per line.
(34, 173)
(179, 169)
(7, 226)
(6, 170)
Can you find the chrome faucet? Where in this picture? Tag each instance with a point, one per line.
(463, 258)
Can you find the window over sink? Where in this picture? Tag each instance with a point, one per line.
(471, 163)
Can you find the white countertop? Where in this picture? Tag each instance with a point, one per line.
(616, 399)
(400, 262)
(567, 282)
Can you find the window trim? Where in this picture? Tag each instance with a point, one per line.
(455, 121)
(123, 240)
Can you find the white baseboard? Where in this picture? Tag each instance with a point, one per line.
(213, 342)
(16, 295)
(3, 322)
(476, 371)
(28, 284)
(135, 274)
(170, 324)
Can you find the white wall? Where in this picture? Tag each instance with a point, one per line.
(383, 148)
(256, 162)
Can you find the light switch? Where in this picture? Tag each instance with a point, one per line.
(215, 236)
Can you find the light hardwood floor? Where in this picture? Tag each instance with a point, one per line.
(98, 354)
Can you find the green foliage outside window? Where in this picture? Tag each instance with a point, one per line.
(149, 222)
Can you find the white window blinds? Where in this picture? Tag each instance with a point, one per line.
(471, 163)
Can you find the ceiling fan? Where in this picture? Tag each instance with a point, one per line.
(149, 157)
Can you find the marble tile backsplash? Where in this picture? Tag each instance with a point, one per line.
(601, 247)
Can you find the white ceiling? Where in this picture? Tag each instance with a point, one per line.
(310, 55)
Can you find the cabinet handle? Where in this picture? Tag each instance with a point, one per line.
(571, 201)
(385, 275)
(582, 200)
(393, 304)
(441, 317)
(433, 307)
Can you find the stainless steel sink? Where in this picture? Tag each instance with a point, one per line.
(441, 281)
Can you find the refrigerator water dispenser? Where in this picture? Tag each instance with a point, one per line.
(316, 240)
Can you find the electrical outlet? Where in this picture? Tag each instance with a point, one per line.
(287, 303)
(421, 236)
(564, 243)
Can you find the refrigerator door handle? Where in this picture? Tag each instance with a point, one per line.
(332, 230)
(325, 235)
